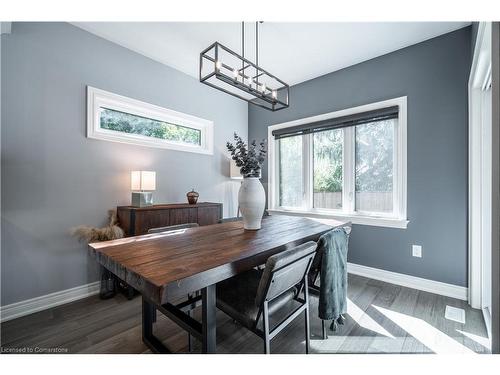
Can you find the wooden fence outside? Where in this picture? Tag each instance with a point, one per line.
(377, 201)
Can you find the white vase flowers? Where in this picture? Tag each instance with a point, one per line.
(251, 196)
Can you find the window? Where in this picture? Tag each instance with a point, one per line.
(291, 185)
(328, 169)
(374, 166)
(133, 124)
(120, 119)
(349, 164)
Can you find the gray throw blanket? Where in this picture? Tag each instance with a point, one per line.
(332, 248)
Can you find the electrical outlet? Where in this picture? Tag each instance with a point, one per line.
(416, 251)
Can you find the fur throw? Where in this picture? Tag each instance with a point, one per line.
(89, 234)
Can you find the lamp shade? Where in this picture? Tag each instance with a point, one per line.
(143, 180)
(234, 170)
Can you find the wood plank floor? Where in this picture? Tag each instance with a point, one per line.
(382, 318)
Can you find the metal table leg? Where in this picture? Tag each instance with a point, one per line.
(148, 316)
(208, 319)
(204, 331)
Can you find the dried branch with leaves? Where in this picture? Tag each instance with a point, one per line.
(248, 159)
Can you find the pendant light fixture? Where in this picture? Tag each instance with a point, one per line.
(225, 70)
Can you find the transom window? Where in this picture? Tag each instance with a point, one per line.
(139, 125)
(120, 119)
(350, 164)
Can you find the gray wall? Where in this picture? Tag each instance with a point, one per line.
(54, 178)
(434, 76)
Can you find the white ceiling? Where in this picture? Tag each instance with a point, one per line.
(294, 52)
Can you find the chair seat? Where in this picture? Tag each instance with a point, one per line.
(236, 297)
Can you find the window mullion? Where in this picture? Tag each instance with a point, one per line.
(276, 201)
(396, 211)
(348, 171)
(307, 171)
(310, 154)
(352, 177)
(345, 182)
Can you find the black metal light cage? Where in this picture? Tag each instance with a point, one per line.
(225, 70)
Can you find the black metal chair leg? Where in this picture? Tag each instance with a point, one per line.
(306, 313)
(265, 323)
(323, 327)
(267, 345)
(308, 332)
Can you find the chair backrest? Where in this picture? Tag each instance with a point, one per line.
(172, 227)
(285, 270)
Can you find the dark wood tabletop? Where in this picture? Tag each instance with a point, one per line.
(169, 265)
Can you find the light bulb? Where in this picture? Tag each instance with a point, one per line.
(263, 88)
(274, 94)
(218, 65)
(249, 81)
(235, 73)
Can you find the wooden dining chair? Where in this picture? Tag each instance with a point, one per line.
(254, 296)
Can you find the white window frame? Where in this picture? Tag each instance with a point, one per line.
(480, 156)
(397, 219)
(98, 99)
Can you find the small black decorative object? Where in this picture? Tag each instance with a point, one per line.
(192, 197)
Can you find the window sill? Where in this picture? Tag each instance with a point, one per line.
(355, 219)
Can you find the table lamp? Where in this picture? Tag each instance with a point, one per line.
(142, 184)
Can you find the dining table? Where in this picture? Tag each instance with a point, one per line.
(186, 264)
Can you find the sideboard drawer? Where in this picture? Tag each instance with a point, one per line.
(209, 215)
(183, 216)
(144, 220)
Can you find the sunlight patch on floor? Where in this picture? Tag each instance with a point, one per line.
(386, 345)
(431, 337)
(365, 320)
(483, 341)
(356, 344)
(383, 341)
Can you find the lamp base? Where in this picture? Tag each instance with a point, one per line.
(142, 198)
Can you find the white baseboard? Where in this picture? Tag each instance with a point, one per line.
(47, 301)
(437, 287)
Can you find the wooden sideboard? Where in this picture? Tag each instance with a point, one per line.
(138, 220)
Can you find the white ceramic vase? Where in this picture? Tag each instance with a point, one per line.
(252, 201)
